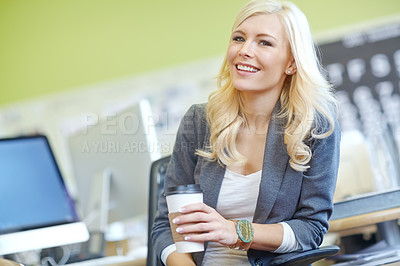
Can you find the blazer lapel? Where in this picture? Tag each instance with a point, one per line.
(274, 166)
(211, 178)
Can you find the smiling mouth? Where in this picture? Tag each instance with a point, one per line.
(247, 68)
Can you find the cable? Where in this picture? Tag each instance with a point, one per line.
(66, 255)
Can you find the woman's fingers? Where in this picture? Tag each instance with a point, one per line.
(201, 223)
(196, 207)
(195, 217)
(194, 228)
(195, 213)
(208, 232)
(223, 232)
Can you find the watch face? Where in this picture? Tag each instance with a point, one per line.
(245, 230)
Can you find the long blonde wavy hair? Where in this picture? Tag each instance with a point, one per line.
(306, 96)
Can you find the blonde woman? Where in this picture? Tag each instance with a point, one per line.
(265, 149)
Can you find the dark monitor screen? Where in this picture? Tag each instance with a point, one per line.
(32, 192)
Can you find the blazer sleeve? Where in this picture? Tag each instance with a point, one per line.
(180, 171)
(310, 222)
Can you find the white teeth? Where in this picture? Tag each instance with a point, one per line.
(246, 68)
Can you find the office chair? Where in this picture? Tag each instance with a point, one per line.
(157, 173)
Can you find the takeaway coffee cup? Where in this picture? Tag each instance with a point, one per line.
(178, 197)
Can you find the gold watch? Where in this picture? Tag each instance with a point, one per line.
(245, 232)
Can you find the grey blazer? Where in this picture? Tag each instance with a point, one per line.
(301, 199)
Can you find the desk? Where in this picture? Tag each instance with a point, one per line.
(383, 221)
(386, 222)
(4, 262)
(111, 261)
(364, 220)
(380, 209)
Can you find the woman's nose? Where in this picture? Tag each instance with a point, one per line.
(246, 50)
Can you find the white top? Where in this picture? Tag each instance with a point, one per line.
(237, 200)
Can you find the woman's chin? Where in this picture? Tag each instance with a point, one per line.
(243, 86)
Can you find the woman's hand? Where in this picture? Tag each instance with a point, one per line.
(208, 225)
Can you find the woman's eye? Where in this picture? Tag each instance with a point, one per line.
(265, 43)
(238, 39)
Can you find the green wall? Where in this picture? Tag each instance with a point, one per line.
(48, 46)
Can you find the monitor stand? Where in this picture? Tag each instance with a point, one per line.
(99, 203)
(102, 205)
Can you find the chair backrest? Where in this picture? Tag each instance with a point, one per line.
(157, 173)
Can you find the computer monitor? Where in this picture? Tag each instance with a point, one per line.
(36, 210)
(113, 158)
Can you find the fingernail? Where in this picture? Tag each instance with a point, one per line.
(181, 209)
(187, 237)
(179, 230)
(176, 220)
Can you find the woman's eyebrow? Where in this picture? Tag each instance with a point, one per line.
(238, 31)
(258, 35)
(266, 35)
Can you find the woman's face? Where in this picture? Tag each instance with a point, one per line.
(259, 54)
